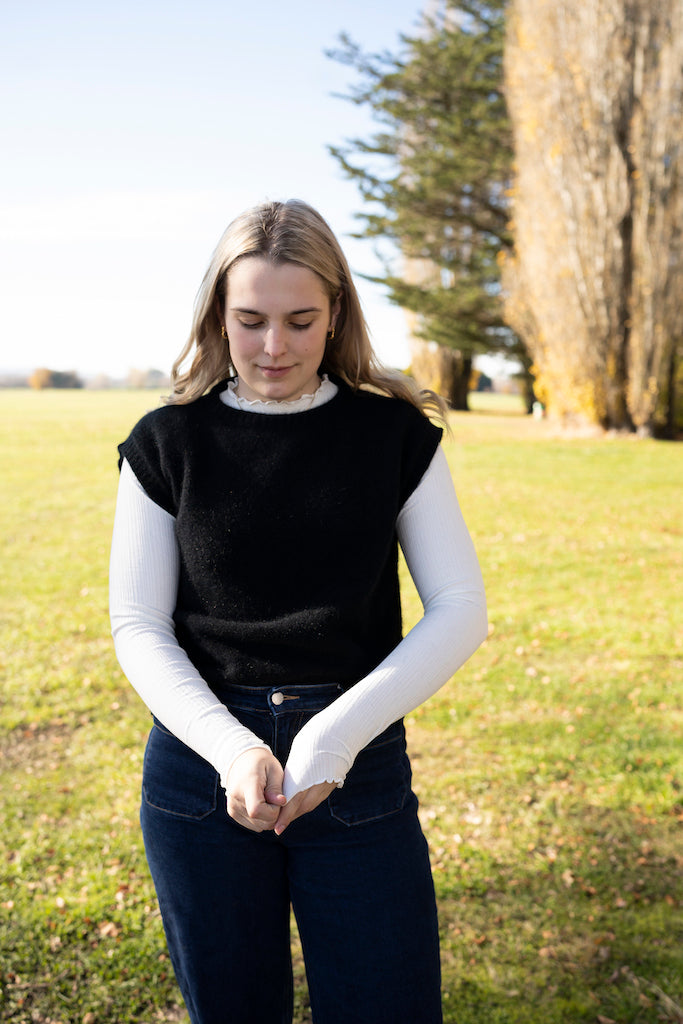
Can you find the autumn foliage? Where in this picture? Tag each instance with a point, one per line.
(43, 378)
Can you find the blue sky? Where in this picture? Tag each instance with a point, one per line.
(134, 131)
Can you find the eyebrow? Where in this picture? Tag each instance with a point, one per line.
(256, 312)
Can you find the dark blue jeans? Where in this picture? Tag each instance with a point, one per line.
(355, 870)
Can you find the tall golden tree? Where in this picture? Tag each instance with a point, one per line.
(595, 282)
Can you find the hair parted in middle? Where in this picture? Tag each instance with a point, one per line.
(287, 232)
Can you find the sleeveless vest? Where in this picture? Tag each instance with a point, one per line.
(286, 526)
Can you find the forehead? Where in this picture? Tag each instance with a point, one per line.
(259, 281)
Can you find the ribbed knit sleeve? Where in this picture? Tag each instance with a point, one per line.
(143, 582)
(443, 564)
(198, 603)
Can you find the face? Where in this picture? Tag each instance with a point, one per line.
(277, 316)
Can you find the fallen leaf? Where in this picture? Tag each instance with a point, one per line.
(109, 930)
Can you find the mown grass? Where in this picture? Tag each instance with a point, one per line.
(549, 770)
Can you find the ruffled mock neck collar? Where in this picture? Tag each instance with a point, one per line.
(325, 391)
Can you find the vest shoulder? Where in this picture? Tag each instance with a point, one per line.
(169, 418)
(394, 411)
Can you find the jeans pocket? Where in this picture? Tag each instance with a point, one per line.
(175, 779)
(378, 783)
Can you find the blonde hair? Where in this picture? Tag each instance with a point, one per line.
(288, 232)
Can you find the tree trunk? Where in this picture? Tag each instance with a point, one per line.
(672, 397)
(443, 370)
(595, 287)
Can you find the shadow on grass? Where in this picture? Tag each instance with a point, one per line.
(580, 927)
(553, 910)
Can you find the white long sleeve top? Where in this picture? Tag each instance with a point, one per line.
(441, 559)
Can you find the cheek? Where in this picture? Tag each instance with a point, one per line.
(243, 344)
(313, 346)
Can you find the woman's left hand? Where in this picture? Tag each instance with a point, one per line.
(301, 803)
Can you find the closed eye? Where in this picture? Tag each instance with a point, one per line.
(254, 324)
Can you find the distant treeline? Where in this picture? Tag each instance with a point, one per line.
(43, 377)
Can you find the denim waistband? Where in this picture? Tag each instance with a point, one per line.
(281, 700)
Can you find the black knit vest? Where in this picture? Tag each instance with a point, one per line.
(286, 526)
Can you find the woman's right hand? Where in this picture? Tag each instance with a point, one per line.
(254, 790)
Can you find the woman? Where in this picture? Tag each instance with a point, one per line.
(255, 607)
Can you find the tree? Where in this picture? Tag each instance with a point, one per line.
(595, 286)
(44, 378)
(40, 378)
(150, 378)
(436, 177)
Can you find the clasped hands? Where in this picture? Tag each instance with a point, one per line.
(255, 798)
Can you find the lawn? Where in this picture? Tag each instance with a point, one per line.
(549, 769)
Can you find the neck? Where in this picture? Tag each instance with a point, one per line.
(281, 401)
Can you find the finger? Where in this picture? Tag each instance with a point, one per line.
(254, 798)
(264, 815)
(281, 824)
(287, 814)
(302, 803)
(237, 812)
(261, 820)
(256, 805)
(273, 788)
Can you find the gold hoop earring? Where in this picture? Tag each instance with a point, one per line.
(224, 333)
(330, 333)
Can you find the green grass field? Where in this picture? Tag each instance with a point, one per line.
(549, 769)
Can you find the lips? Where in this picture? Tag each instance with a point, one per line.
(274, 372)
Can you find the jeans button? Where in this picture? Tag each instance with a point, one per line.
(277, 699)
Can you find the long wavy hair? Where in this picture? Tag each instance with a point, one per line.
(288, 232)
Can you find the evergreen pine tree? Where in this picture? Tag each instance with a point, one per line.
(436, 178)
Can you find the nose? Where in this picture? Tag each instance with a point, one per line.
(275, 342)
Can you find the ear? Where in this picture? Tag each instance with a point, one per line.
(336, 310)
